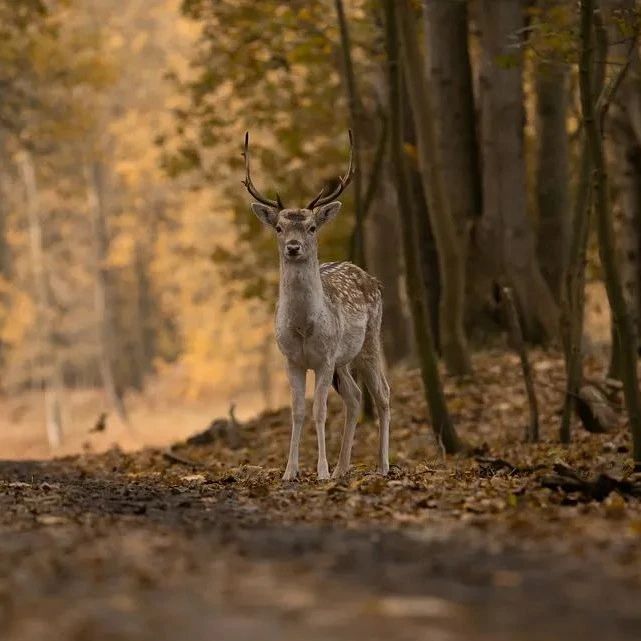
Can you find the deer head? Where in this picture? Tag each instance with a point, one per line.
(296, 229)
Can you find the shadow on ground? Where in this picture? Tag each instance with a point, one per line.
(112, 555)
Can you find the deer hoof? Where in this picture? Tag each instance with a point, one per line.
(383, 469)
(339, 472)
(322, 472)
(290, 474)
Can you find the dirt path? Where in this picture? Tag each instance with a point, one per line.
(111, 556)
(134, 547)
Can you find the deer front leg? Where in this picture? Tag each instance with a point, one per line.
(322, 385)
(297, 376)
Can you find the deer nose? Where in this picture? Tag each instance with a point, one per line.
(293, 248)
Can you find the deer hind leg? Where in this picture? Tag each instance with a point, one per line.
(371, 366)
(351, 395)
(297, 376)
(321, 391)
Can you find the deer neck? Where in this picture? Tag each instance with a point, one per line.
(301, 299)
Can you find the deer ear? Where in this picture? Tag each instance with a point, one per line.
(325, 213)
(267, 215)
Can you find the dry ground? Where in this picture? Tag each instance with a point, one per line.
(132, 546)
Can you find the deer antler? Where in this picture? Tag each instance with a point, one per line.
(322, 198)
(249, 185)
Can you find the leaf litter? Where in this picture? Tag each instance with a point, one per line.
(439, 539)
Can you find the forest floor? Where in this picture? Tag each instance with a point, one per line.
(139, 546)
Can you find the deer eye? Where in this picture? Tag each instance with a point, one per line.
(279, 229)
(312, 229)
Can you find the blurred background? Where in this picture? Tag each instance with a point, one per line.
(136, 288)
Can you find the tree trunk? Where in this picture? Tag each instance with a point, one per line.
(623, 139)
(102, 300)
(607, 250)
(384, 258)
(51, 374)
(441, 423)
(427, 251)
(552, 172)
(505, 236)
(450, 77)
(4, 258)
(451, 258)
(573, 284)
(356, 120)
(142, 336)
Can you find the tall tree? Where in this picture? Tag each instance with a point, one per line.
(552, 170)
(450, 74)
(607, 249)
(451, 259)
(103, 303)
(505, 233)
(355, 107)
(384, 258)
(441, 422)
(573, 283)
(623, 139)
(50, 368)
(5, 272)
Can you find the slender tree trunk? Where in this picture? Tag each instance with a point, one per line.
(573, 285)
(505, 234)
(142, 339)
(441, 422)
(515, 336)
(451, 258)
(623, 140)
(573, 295)
(552, 172)
(51, 374)
(382, 254)
(102, 300)
(383, 240)
(356, 119)
(607, 250)
(450, 76)
(427, 251)
(5, 273)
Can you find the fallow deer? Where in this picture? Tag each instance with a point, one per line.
(328, 319)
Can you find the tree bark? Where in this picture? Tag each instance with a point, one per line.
(355, 116)
(4, 257)
(623, 140)
(505, 235)
(51, 376)
(451, 258)
(573, 285)
(607, 250)
(384, 258)
(552, 172)
(573, 294)
(142, 335)
(515, 335)
(102, 295)
(427, 252)
(441, 423)
(450, 75)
